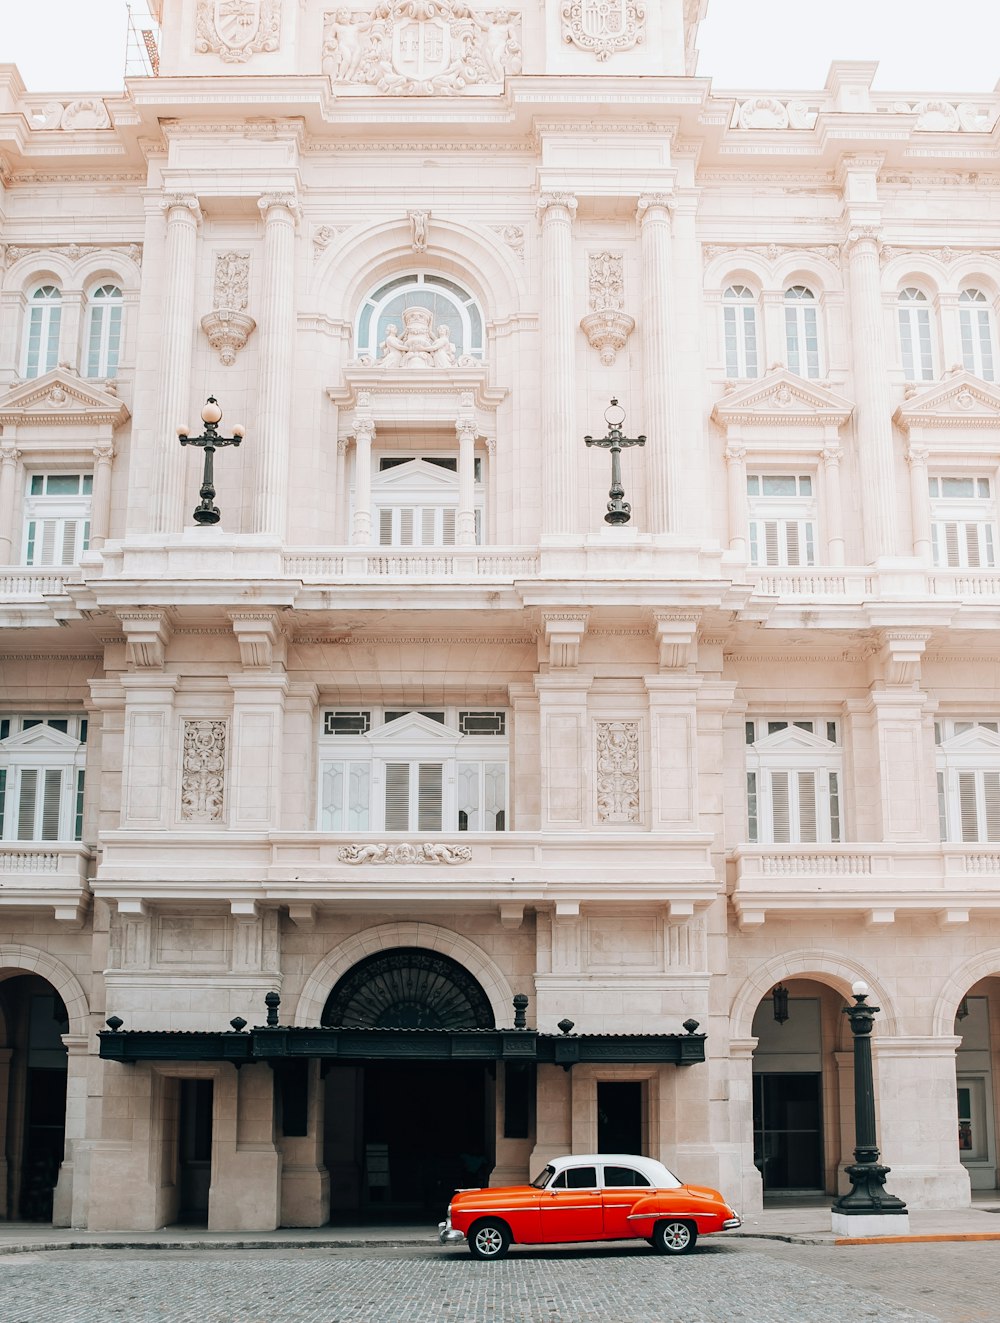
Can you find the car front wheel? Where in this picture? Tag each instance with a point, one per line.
(489, 1239)
(674, 1237)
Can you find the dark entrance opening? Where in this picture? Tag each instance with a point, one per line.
(402, 1135)
(788, 1131)
(619, 1116)
(32, 1096)
(194, 1150)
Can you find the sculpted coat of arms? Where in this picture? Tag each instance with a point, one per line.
(236, 29)
(604, 26)
(422, 47)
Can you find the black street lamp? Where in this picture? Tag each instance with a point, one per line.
(619, 510)
(867, 1195)
(211, 415)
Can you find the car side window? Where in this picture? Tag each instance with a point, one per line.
(581, 1178)
(559, 1183)
(624, 1176)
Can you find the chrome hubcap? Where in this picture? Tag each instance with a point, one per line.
(489, 1241)
(676, 1235)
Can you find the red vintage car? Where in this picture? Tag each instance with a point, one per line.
(591, 1196)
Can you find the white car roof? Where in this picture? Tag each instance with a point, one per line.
(655, 1172)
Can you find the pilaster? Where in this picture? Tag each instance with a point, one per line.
(560, 507)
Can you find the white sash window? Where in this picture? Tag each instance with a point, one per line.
(739, 325)
(436, 771)
(963, 521)
(975, 318)
(415, 500)
(802, 331)
(57, 518)
(782, 518)
(42, 778)
(41, 349)
(794, 771)
(915, 337)
(104, 331)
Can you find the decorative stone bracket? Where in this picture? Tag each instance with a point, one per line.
(228, 332)
(607, 332)
(564, 633)
(607, 326)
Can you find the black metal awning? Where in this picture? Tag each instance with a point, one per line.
(275, 1044)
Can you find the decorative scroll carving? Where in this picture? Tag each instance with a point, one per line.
(232, 279)
(422, 47)
(203, 771)
(86, 113)
(618, 771)
(513, 237)
(325, 235)
(607, 327)
(235, 30)
(420, 346)
(428, 853)
(772, 251)
(603, 26)
(228, 326)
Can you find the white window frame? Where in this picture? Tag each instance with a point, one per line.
(786, 761)
(415, 504)
(740, 332)
(56, 527)
(43, 323)
(802, 331)
(916, 334)
(968, 779)
(31, 761)
(104, 330)
(976, 327)
(963, 528)
(414, 741)
(415, 288)
(783, 530)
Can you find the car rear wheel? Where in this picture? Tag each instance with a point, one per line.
(674, 1237)
(489, 1239)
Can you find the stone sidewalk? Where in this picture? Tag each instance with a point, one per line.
(794, 1225)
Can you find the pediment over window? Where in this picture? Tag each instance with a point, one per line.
(963, 400)
(416, 476)
(414, 727)
(783, 399)
(793, 739)
(978, 740)
(61, 398)
(40, 739)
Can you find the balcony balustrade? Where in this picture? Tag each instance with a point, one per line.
(46, 875)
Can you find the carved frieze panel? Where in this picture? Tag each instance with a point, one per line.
(617, 771)
(422, 47)
(228, 326)
(203, 771)
(236, 30)
(232, 281)
(426, 853)
(603, 26)
(606, 281)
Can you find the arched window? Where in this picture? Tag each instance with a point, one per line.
(915, 342)
(739, 321)
(42, 341)
(104, 331)
(802, 331)
(976, 321)
(448, 303)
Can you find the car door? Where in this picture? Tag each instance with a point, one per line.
(571, 1207)
(622, 1186)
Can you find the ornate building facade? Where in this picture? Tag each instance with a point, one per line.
(414, 733)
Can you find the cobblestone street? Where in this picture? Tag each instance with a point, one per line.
(741, 1281)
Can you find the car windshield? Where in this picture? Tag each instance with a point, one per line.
(543, 1177)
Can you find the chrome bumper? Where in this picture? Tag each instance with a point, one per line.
(447, 1234)
(731, 1223)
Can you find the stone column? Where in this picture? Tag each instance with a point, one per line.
(920, 510)
(465, 523)
(175, 347)
(658, 421)
(559, 442)
(69, 1205)
(831, 456)
(277, 343)
(751, 1192)
(100, 506)
(364, 435)
(874, 405)
(9, 471)
(736, 472)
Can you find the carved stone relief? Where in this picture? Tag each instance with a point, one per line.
(228, 326)
(422, 47)
(428, 853)
(617, 771)
(232, 279)
(606, 326)
(419, 345)
(513, 237)
(603, 26)
(203, 772)
(235, 30)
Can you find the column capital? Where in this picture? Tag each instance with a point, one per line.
(832, 455)
(9, 453)
(183, 204)
(104, 452)
(364, 428)
(917, 456)
(268, 202)
(547, 202)
(735, 454)
(650, 203)
(862, 234)
(465, 425)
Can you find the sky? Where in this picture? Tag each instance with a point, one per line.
(921, 45)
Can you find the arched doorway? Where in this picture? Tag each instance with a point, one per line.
(797, 1090)
(33, 1073)
(977, 1082)
(402, 1134)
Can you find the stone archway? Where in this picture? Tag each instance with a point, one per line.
(408, 988)
(30, 960)
(836, 970)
